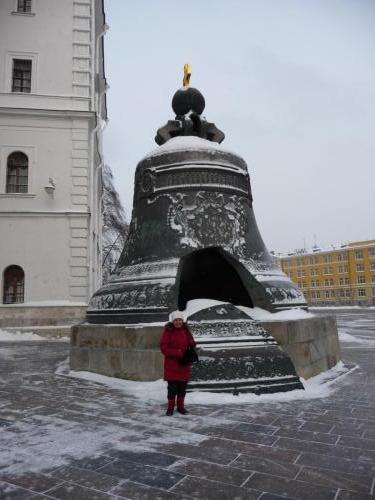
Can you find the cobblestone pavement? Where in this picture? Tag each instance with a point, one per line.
(73, 439)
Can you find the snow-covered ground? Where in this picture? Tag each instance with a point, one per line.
(319, 441)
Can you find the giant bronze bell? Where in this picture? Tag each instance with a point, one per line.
(193, 232)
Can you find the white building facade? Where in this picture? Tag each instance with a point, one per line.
(52, 112)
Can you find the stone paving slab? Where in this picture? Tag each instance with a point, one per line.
(63, 438)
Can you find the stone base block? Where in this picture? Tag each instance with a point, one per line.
(312, 343)
(133, 353)
(117, 351)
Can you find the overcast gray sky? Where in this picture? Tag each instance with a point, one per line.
(290, 82)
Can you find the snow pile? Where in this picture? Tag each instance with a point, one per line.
(320, 386)
(263, 315)
(196, 305)
(22, 336)
(18, 336)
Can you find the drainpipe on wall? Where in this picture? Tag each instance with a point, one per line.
(95, 138)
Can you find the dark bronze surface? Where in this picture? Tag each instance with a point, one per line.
(193, 233)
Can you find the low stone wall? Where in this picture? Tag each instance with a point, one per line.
(311, 343)
(23, 315)
(133, 353)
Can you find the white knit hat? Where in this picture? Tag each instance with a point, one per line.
(177, 315)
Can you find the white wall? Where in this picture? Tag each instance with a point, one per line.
(52, 236)
(38, 245)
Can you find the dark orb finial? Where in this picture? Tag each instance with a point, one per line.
(188, 104)
(188, 99)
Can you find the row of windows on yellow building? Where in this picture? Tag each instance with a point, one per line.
(336, 276)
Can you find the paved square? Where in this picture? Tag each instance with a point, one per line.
(73, 439)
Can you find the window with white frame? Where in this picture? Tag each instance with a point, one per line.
(361, 280)
(17, 173)
(343, 269)
(359, 255)
(318, 294)
(348, 293)
(327, 294)
(360, 268)
(24, 6)
(21, 75)
(14, 285)
(361, 292)
(371, 252)
(373, 279)
(342, 256)
(372, 266)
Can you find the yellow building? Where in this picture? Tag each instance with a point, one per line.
(337, 276)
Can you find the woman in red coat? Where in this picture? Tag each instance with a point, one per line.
(174, 342)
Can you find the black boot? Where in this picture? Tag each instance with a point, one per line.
(171, 405)
(183, 411)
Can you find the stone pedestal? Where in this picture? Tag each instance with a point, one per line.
(312, 343)
(133, 353)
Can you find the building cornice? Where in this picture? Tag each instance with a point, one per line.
(43, 213)
(344, 249)
(55, 113)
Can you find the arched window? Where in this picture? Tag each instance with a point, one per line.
(14, 285)
(17, 173)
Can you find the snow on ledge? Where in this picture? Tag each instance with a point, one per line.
(22, 336)
(187, 142)
(47, 303)
(341, 308)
